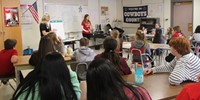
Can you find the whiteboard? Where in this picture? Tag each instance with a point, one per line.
(71, 15)
(57, 26)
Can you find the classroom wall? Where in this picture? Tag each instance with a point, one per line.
(157, 8)
(30, 32)
(196, 14)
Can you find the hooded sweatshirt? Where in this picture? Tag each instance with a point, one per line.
(140, 44)
(84, 54)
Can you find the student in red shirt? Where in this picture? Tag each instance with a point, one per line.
(8, 56)
(110, 45)
(86, 26)
(190, 91)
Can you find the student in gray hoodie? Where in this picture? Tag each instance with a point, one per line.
(84, 53)
(140, 42)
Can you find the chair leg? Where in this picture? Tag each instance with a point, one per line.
(11, 86)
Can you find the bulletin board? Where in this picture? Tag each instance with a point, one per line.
(71, 15)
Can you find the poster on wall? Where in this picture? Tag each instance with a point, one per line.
(133, 14)
(11, 16)
(104, 11)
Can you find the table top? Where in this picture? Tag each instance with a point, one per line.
(70, 40)
(127, 45)
(24, 60)
(147, 35)
(157, 85)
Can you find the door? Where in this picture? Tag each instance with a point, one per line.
(1, 34)
(11, 23)
(182, 16)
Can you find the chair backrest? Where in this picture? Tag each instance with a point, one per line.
(81, 69)
(197, 37)
(137, 54)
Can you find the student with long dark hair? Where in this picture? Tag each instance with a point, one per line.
(110, 45)
(104, 82)
(46, 45)
(50, 80)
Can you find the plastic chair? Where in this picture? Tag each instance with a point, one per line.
(80, 69)
(8, 78)
(138, 56)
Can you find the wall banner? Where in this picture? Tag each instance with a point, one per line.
(133, 14)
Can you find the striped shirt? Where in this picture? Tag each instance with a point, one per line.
(185, 68)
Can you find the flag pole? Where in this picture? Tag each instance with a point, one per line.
(28, 8)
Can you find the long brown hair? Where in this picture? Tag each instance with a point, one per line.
(53, 37)
(141, 37)
(85, 18)
(115, 34)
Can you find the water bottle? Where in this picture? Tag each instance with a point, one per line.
(69, 50)
(139, 74)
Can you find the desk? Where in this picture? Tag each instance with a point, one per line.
(157, 85)
(127, 45)
(70, 41)
(23, 63)
(146, 35)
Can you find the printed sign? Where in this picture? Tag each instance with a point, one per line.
(133, 14)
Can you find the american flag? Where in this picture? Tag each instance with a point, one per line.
(34, 11)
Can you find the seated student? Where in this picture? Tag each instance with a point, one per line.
(176, 33)
(115, 34)
(104, 82)
(110, 45)
(184, 67)
(51, 80)
(141, 44)
(45, 46)
(84, 53)
(143, 29)
(190, 91)
(8, 56)
(168, 35)
(59, 46)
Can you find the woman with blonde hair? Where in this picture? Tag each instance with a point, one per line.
(115, 34)
(45, 26)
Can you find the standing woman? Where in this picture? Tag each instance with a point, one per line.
(45, 26)
(86, 26)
